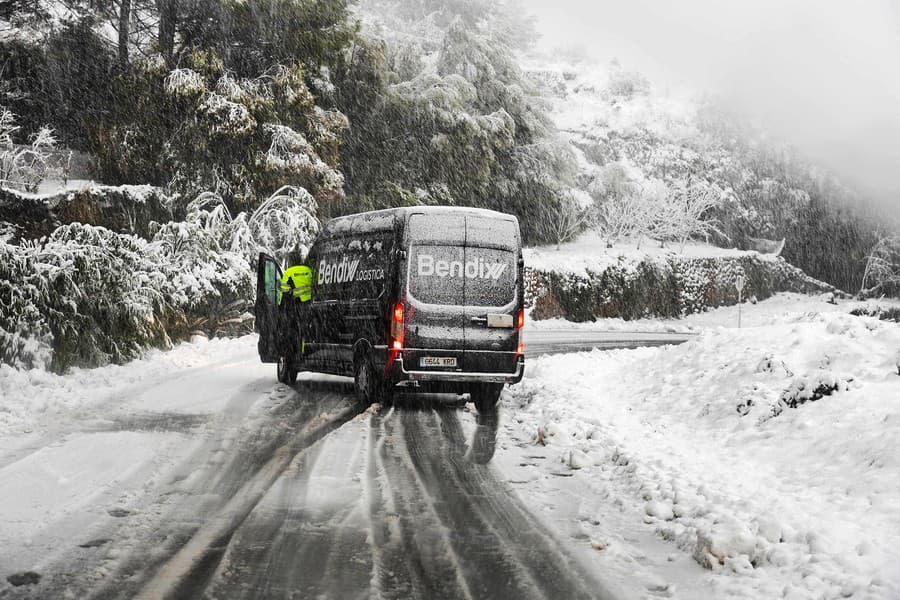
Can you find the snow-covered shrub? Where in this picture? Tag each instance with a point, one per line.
(25, 334)
(82, 296)
(669, 287)
(885, 313)
(87, 296)
(23, 167)
(284, 223)
(223, 117)
(810, 389)
(185, 82)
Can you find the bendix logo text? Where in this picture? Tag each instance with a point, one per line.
(472, 269)
(346, 270)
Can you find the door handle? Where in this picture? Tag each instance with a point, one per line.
(482, 320)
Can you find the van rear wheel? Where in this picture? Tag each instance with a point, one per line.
(485, 396)
(287, 373)
(366, 380)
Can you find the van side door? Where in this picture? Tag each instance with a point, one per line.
(268, 321)
(332, 272)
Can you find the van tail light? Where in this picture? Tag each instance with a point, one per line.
(520, 323)
(397, 327)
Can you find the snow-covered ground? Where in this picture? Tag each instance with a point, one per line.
(710, 469)
(34, 400)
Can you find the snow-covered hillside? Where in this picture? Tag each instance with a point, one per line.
(638, 146)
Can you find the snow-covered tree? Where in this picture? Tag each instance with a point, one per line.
(882, 271)
(684, 212)
(562, 223)
(202, 128)
(622, 209)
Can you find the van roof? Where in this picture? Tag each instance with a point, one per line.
(387, 218)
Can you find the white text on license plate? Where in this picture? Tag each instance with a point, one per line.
(437, 361)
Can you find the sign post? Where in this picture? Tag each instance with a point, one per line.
(739, 284)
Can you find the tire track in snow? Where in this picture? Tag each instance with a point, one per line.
(392, 506)
(188, 572)
(420, 541)
(495, 508)
(309, 533)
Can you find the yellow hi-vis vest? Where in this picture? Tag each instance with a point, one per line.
(297, 281)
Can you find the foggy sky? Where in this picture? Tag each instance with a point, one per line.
(823, 76)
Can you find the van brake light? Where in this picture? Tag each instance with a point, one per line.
(520, 323)
(397, 327)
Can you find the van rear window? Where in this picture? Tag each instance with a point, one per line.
(463, 230)
(455, 275)
(491, 232)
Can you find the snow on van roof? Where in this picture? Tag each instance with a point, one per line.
(407, 210)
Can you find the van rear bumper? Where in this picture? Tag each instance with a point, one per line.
(461, 376)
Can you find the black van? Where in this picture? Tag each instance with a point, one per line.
(430, 297)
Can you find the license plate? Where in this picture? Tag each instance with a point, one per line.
(437, 361)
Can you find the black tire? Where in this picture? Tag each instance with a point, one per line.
(366, 380)
(485, 396)
(287, 373)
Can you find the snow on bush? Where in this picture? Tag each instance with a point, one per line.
(802, 501)
(25, 334)
(633, 285)
(185, 82)
(224, 117)
(23, 167)
(87, 296)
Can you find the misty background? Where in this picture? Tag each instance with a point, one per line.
(820, 76)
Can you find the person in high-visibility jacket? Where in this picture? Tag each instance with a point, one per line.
(297, 282)
(296, 289)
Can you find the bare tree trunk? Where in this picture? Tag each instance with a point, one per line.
(168, 16)
(124, 23)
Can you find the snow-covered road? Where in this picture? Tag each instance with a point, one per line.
(194, 472)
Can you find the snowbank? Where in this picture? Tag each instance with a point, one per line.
(34, 398)
(768, 454)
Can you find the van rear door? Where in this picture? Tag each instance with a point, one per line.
(434, 336)
(492, 292)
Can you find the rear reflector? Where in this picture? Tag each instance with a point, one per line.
(521, 348)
